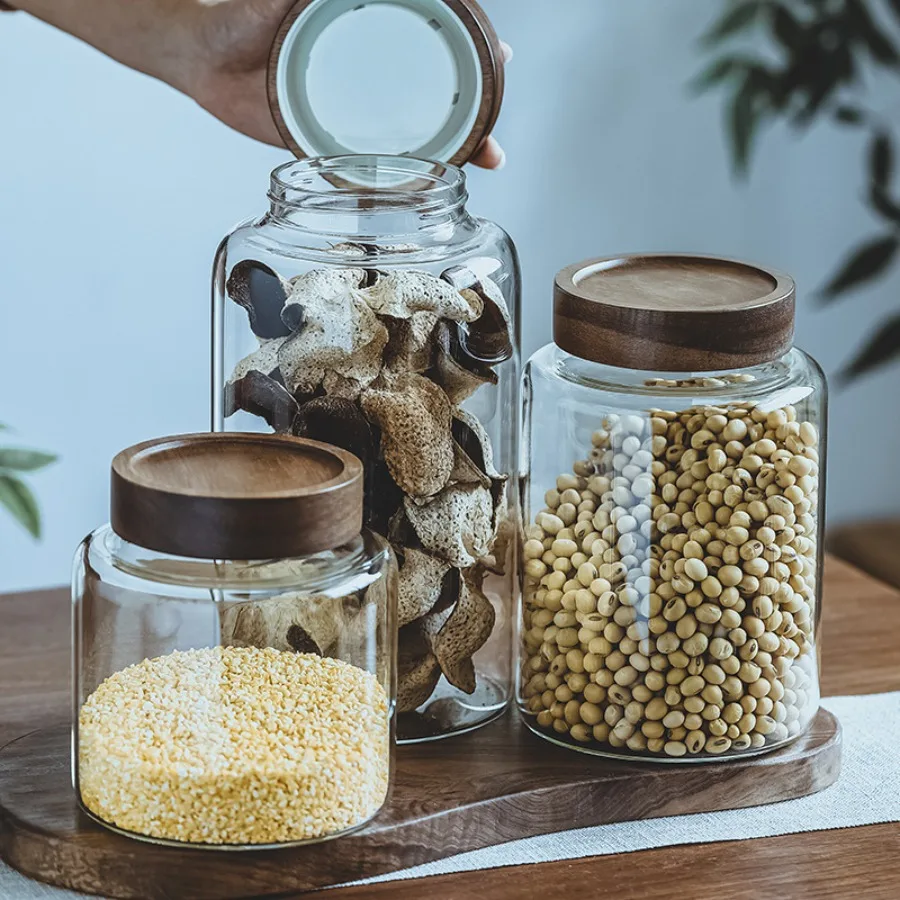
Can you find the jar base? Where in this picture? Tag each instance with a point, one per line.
(234, 848)
(450, 712)
(637, 757)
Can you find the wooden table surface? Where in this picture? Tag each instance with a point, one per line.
(860, 656)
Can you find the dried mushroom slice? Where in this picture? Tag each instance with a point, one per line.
(340, 386)
(315, 286)
(261, 395)
(339, 422)
(416, 681)
(400, 294)
(461, 675)
(474, 442)
(341, 334)
(456, 525)
(421, 584)
(263, 294)
(414, 416)
(489, 338)
(459, 379)
(504, 539)
(384, 500)
(264, 359)
(291, 622)
(464, 633)
(410, 347)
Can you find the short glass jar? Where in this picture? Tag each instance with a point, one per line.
(367, 308)
(674, 488)
(226, 695)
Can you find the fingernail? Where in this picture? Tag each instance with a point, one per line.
(502, 162)
(507, 51)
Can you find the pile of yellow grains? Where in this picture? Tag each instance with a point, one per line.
(670, 593)
(234, 745)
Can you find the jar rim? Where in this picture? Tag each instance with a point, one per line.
(373, 181)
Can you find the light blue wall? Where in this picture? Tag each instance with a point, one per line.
(114, 192)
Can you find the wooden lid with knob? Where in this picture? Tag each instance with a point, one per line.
(236, 496)
(673, 312)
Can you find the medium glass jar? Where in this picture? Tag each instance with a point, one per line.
(367, 308)
(674, 487)
(234, 679)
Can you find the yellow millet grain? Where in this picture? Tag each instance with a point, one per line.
(232, 745)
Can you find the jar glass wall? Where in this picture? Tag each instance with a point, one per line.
(367, 308)
(673, 527)
(233, 703)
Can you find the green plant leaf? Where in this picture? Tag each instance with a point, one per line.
(866, 263)
(18, 499)
(787, 29)
(881, 348)
(742, 16)
(743, 120)
(881, 159)
(718, 70)
(883, 204)
(878, 44)
(849, 115)
(24, 460)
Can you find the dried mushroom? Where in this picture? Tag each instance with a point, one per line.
(339, 422)
(383, 499)
(341, 334)
(421, 584)
(416, 680)
(474, 452)
(290, 622)
(459, 375)
(400, 294)
(262, 293)
(465, 631)
(456, 525)
(264, 359)
(410, 347)
(263, 396)
(414, 416)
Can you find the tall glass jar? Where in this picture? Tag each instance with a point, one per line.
(674, 489)
(369, 309)
(234, 640)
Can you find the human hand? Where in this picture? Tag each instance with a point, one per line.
(225, 71)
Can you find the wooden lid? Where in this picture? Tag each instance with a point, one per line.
(470, 82)
(236, 496)
(673, 312)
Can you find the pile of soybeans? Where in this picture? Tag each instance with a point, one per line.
(670, 586)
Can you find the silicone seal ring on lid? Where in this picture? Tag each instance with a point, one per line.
(462, 28)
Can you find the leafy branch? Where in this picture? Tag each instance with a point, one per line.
(817, 50)
(15, 495)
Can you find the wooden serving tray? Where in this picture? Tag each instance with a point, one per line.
(498, 784)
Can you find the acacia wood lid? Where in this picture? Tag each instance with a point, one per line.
(318, 37)
(236, 496)
(673, 312)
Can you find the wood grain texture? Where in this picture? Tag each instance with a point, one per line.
(860, 636)
(673, 312)
(497, 784)
(870, 546)
(236, 496)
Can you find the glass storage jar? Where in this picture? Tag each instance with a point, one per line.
(674, 486)
(369, 309)
(234, 639)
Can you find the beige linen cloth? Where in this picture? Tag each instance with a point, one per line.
(867, 792)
